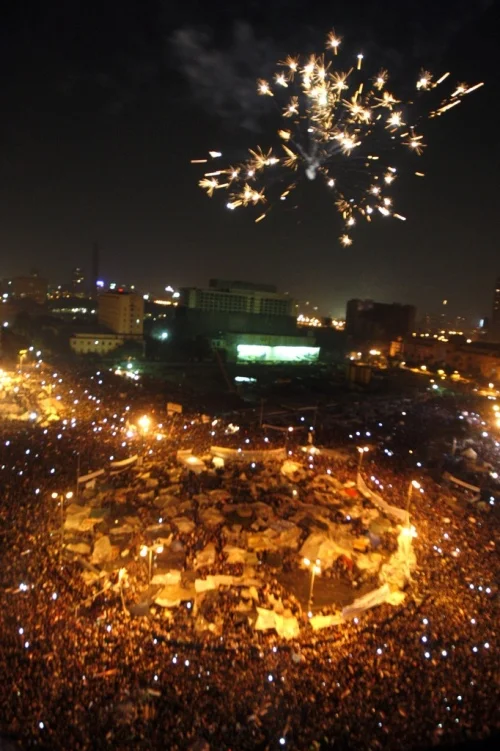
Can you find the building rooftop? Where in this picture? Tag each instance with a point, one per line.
(226, 285)
(119, 291)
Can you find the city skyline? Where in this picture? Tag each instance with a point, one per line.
(451, 315)
(99, 139)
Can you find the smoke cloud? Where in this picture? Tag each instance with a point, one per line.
(222, 77)
(223, 80)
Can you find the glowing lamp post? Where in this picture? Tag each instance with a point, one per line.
(414, 485)
(144, 423)
(122, 578)
(68, 497)
(147, 551)
(315, 570)
(362, 451)
(22, 355)
(405, 541)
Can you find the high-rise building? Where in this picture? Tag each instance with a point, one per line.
(238, 297)
(77, 282)
(122, 312)
(367, 320)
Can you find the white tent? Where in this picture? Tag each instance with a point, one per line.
(206, 557)
(469, 453)
(285, 625)
(189, 460)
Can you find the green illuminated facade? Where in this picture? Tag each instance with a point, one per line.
(268, 349)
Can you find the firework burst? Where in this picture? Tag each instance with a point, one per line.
(339, 126)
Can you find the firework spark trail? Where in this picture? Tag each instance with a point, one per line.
(337, 126)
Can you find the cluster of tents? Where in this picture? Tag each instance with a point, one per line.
(104, 527)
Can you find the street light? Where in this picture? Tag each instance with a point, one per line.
(362, 451)
(22, 354)
(405, 540)
(315, 569)
(148, 551)
(144, 423)
(414, 484)
(122, 577)
(68, 496)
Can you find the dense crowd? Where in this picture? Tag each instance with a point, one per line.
(81, 675)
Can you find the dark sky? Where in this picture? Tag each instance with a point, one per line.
(105, 103)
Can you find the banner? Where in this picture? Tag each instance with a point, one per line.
(286, 626)
(396, 513)
(456, 481)
(338, 455)
(326, 621)
(124, 462)
(91, 476)
(249, 455)
(370, 600)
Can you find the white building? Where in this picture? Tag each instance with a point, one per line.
(238, 297)
(96, 344)
(121, 312)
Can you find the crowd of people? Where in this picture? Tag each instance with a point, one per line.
(81, 675)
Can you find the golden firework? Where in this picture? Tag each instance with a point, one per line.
(336, 130)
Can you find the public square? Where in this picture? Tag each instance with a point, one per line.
(190, 582)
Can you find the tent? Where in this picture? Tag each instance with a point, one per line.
(469, 453)
(206, 557)
(285, 625)
(192, 462)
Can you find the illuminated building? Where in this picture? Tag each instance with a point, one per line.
(311, 321)
(430, 350)
(77, 283)
(256, 316)
(238, 297)
(158, 308)
(315, 322)
(478, 359)
(268, 349)
(96, 344)
(73, 308)
(121, 312)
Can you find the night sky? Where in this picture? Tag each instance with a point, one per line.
(105, 103)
